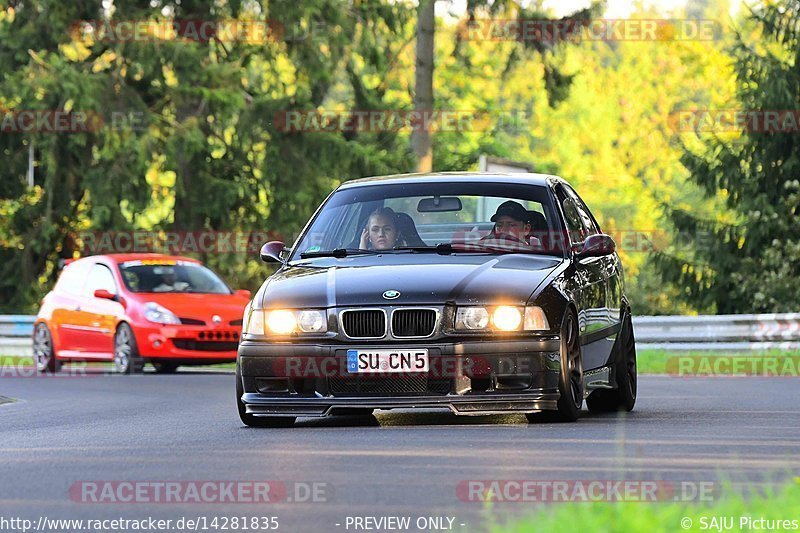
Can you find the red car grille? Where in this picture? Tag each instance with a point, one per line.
(218, 335)
(191, 321)
(205, 346)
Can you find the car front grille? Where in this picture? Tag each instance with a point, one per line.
(192, 321)
(401, 384)
(364, 324)
(205, 346)
(413, 322)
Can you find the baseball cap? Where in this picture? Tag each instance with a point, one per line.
(511, 209)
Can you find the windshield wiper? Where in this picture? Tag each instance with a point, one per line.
(339, 252)
(497, 247)
(444, 248)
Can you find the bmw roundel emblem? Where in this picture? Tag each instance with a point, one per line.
(391, 294)
(216, 319)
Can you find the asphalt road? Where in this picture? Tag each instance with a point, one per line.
(101, 428)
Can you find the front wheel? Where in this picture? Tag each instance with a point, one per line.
(43, 350)
(257, 421)
(570, 384)
(126, 354)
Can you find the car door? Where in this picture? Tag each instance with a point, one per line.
(589, 283)
(67, 313)
(99, 315)
(612, 272)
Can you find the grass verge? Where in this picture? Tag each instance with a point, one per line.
(658, 361)
(772, 510)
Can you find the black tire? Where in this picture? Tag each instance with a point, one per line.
(257, 421)
(164, 367)
(623, 398)
(44, 353)
(126, 353)
(570, 384)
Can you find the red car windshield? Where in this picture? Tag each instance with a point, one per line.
(171, 277)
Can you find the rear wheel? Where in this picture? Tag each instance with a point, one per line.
(126, 354)
(164, 367)
(257, 421)
(43, 351)
(570, 385)
(623, 398)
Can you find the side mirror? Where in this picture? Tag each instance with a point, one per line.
(244, 293)
(105, 295)
(597, 246)
(271, 252)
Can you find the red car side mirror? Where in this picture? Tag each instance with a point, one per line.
(105, 295)
(244, 293)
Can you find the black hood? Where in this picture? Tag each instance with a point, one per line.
(428, 279)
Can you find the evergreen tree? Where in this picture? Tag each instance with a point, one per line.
(749, 261)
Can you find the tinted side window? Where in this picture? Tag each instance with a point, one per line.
(572, 218)
(100, 277)
(584, 213)
(578, 220)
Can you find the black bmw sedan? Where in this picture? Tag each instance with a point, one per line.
(477, 293)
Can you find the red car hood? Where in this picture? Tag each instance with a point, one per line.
(199, 306)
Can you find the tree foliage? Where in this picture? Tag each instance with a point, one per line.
(748, 260)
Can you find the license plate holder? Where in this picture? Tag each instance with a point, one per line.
(382, 361)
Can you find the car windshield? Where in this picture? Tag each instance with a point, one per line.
(440, 217)
(171, 276)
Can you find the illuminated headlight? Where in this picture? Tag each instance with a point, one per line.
(473, 318)
(501, 318)
(159, 314)
(506, 318)
(281, 322)
(284, 321)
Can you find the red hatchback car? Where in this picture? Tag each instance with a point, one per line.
(134, 308)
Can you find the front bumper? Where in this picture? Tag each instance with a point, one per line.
(471, 377)
(190, 344)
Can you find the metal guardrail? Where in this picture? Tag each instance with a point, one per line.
(732, 333)
(15, 335)
(737, 333)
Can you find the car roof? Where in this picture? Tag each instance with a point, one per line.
(123, 258)
(445, 177)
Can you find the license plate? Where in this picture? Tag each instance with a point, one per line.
(381, 361)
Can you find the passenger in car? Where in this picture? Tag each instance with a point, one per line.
(381, 231)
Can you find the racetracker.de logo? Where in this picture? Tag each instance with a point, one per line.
(735, 365)
(24, 368)
(558, 30)
(251, 31)
(174, 242)
(583, 490)
(735, 120)
(50, 121)
(199, 492)
(395, 120)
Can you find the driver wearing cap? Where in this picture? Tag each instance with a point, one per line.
(511, 221)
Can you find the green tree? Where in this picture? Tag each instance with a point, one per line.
(750, 261)
(211, 156)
